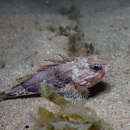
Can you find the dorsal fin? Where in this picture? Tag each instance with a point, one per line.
(45, 67)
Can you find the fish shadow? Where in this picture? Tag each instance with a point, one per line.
(99, 88)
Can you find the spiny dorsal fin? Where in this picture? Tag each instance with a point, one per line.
(22, 79)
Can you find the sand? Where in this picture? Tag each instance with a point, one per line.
(24, 45)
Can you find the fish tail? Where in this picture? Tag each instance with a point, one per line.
(14, 92)
(2, 96)
(19, 91)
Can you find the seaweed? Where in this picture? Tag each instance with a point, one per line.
(2, 63)
(69, 117)
(75, 14)
(72, 12)
(46, 90)
(52, 28)
(89, 48)
(95, 125)
(65, 11)
(77, 45)
(64, 31)
(74, 41)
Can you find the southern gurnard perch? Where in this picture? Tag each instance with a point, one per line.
(66, 76)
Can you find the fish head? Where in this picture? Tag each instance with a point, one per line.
(89, 71)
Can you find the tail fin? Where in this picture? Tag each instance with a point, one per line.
(2, 96)
(12, 93)
(19, 91)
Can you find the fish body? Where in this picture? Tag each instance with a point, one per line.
(66, 75)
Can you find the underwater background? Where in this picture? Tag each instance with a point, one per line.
(31, 30)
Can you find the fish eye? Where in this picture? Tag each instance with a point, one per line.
(96, 67)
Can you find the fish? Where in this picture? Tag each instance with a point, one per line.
(67, 76)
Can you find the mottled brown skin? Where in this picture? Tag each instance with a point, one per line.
(63, 76)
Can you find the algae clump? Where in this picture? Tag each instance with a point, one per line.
(2, 63)
(69, 117)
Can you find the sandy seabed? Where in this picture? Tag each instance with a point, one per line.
(23, 46)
